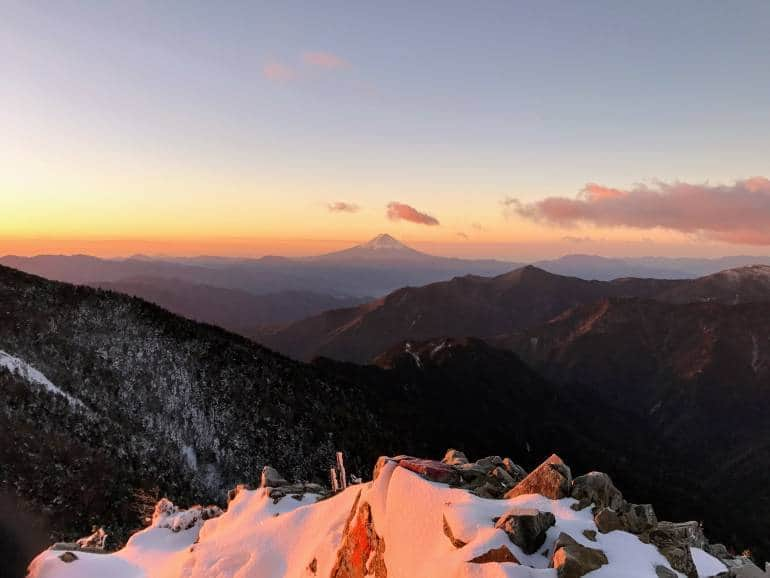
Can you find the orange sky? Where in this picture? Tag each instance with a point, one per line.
(126, 130)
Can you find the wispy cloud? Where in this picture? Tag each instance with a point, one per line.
(401, 212)
(277, 71)
(736, 213)
(463, 235)
(478, 226)
(325, 60)
(342, 207)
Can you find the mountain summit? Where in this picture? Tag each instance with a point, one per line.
(383, 241)
(383, 247)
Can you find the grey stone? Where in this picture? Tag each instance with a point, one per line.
(502, 476)
(526, 527)
(495, 555)
(68, 557)
(718, 551)
(454, 457)
(596, 488)
(572, 560)
(607, 520)
(271, 478)
(514, 470)
(638, 518)
(672, 543)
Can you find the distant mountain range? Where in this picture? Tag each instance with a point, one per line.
(233, 309)
(606, 269)
(464, 306)
(490, 307)
(371, 269)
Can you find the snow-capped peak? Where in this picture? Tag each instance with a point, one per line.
(384, 241)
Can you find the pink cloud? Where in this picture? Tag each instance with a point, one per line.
(736, 213)
(325, 60)
(277, 72)
(342, 207)
(402, 212)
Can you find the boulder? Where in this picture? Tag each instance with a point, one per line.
(742, 567)
(607, 520)
(551, 479)
(431, 470)
(496, 555)
(596, 488)
(672, 543)
(472, 474)
(454, 458)
(526, 527)
(638, 518)
(271, 478)
(491, 489)
(590, 534)
(663, 572)
(572, 560)
(718, 551)
(503, 477)
(515, 471)
(489, 463)
(68, 557)
(686, 533)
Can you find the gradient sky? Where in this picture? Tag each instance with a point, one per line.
(234, 128)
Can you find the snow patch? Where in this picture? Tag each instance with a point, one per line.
(705, 563)
(32, 375)
(190, 458)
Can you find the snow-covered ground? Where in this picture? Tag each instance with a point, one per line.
(32, 375)
(297, 538)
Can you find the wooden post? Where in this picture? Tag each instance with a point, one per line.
(341, 468)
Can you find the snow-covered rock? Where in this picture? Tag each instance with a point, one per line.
(401, 525)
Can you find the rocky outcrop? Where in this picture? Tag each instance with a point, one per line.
(638, 518)
(596, 488)
(607, 520)
(432, 470)
(455, 457)
(271, 478)
(363, 551)
(674, 542)
(495, 555)
(526, 528)
(552, 479)
(489, 477)
(572, 560)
